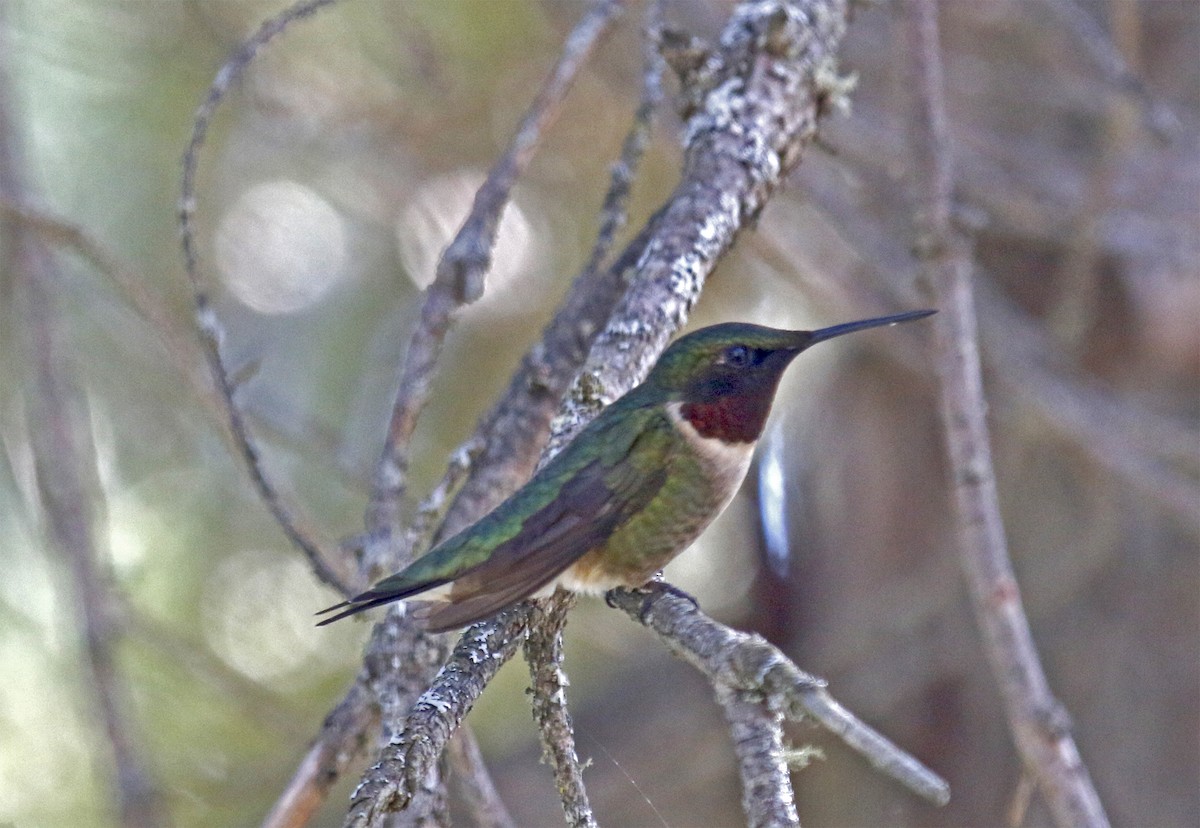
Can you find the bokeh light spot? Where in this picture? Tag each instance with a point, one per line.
(281, 247)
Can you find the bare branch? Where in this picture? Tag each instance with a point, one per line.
(460, 271)
(767, 795)
(342, 738)
(1136, 444)
(543, 651)
(63, 457)
(327, 567)
(749, 664)
(1139, 444)
(1038, 721)
(1107, 58)
(514, 432)
(478, 793)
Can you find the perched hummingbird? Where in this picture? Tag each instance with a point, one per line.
(628, 494)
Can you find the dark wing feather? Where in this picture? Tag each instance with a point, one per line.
(568, 508)
(590, 507)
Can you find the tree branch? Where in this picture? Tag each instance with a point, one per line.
(410, 755)
(460, 271)
(767, 795)
(1039, 723)
(544, 653)
(748, 664)
(1107, 58)
(342, 738)
(327, 567)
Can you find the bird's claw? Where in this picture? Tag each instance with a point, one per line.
(671, 589)
(659, 587)
(648, 592)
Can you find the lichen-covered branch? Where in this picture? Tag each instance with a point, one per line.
(413, 751)
(548, 681)
(757, 733)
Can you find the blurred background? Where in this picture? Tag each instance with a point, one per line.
(331, 179)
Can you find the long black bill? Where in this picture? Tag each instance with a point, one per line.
(862, 324)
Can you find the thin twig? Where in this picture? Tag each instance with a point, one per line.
(543, 649)
(178, 341)
(63, 456)
(746, 662)
(1140, 446)
(298, 530)
(1150, 450)
(1107, 58)
(342, 739)
(478, 792)
(511, 437)
(461, 269)
(548, 683)
(1040, 725)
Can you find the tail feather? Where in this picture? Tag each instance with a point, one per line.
(370, 599)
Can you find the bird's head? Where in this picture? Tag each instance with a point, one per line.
(739, 358)
(725, 375)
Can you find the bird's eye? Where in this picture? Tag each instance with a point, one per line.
(737, 355)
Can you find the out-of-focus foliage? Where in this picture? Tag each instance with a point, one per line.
(334, 173)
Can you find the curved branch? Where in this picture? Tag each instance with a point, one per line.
(326, 567)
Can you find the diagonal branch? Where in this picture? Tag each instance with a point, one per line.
(1039, 723)
(1107, 58)
(460, 271)
(405, 763)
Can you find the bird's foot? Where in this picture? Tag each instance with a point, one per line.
(659, 587)
(648, 591)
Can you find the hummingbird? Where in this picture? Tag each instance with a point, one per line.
(634, 488)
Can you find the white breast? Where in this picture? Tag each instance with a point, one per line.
(727, 462)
